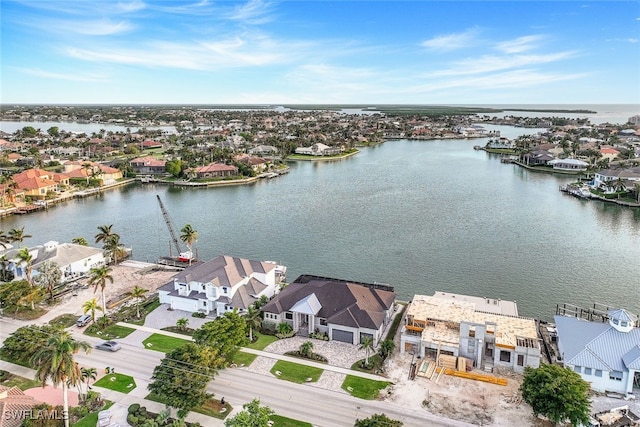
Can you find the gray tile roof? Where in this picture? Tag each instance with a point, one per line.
(597, 345)
(341, 302)
(222, 271)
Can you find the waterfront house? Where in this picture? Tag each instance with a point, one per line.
(605, 354)
(568, 165)
(213, 170)
(148, 166)
(609, 153)
(91, 170)
(318, 149)
(219, 285)
(37, 183)
(346, 311)
(73, 260)
(536, 158)
(608, 179)
(501, 143)
(485, 330)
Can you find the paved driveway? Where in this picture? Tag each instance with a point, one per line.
(161, 317)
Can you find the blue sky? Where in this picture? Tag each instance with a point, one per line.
(371, 52)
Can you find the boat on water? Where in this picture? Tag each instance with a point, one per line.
(579, 191)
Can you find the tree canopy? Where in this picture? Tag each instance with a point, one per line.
(378, 420)
(557, 393)
(20, 346)
(227, 334)
(253, 415)
(181, 378)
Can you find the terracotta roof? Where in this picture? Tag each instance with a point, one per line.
(12, 401)
(215, 167)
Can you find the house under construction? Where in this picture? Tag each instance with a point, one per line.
(487, 332)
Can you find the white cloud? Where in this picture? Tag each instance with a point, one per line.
(133, 6)
(96, 28)
(232, 52)
(451, 41)
(252, 12)
(62, 76)
(491, 63)
(519, 45)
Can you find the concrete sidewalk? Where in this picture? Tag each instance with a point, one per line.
(121, 401)
(269, 355)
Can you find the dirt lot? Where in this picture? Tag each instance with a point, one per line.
(461, 399)
(125, 276)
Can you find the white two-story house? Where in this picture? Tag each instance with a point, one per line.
(222, 284)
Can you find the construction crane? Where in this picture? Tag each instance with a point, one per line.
(184, 256)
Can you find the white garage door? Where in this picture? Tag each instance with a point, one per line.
(185, 304)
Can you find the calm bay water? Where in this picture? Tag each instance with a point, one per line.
(419, 215)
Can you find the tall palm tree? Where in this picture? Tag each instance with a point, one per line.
(17, 235)
(367, 346)
(138, 293)
(90, 307)
(26, 258)
(253, 319)
(189, 236)
(104, 233)
(114, 248)
(99, 278)
(55, 362)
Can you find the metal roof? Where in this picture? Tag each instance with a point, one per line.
(597, 345)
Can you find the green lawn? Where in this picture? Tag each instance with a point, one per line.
(163, 343)
(262, 341)
(244, 359)
(118, 382)
(362, 387)
(108, 333)
(64, 320)
(9, 380)
(91, 420)
(295, 372)
(144, 310)
(280, 421)
(211, 408)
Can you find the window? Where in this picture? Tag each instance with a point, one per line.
(598, 373)
(224, 290)
(505, 356)
(577, 369)
(623, 323)
(288, 316)
(587, 371)
(615, 375)
(520, 360)
(323, 322)
(204, 303)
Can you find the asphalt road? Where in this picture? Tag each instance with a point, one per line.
(305, 402)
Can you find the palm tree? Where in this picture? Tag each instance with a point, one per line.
(88, 374)
(253, 319)
(98, 279)
(90, 307)
(55, 362)
(306, 349)
(189, 236)
(386, 348)
(17, 235)
(114, 248)
(137, 293)
(104, 233)
(88, 168)
(367, 345)
(182, 323)
(4, 268)
(80, 241)
(25, 257)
